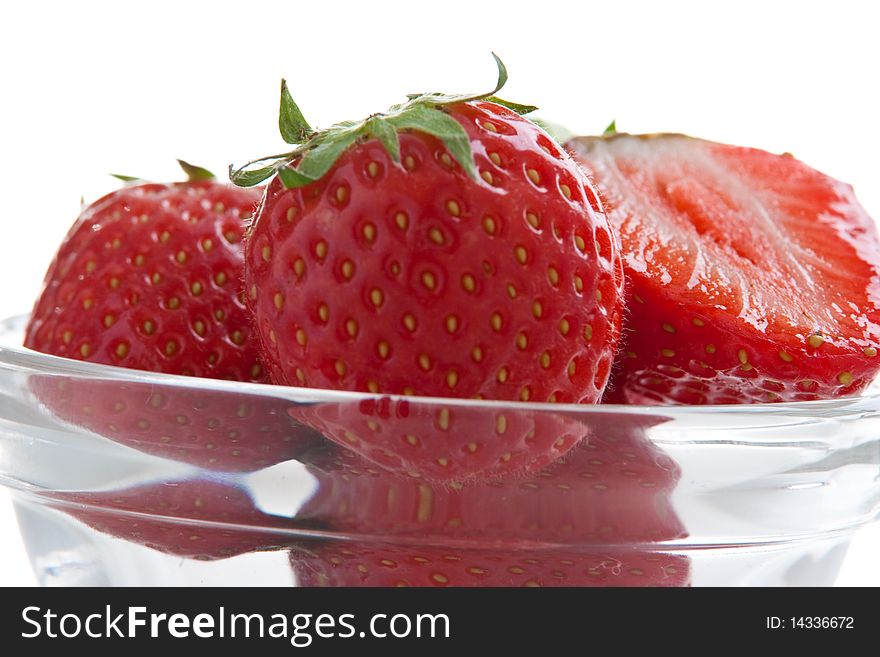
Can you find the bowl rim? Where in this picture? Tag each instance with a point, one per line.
(17, 357)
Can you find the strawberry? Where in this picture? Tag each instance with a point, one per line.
(364, 564)
(752, 277)
(446, 248)
(149, 277)
(196, 519)
(444, 443)
(211, 429)
(615, 487)
(587, 520)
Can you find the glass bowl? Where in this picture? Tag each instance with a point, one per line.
(122, 477)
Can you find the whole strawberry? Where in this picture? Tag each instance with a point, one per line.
(446, 248)
(752, 277)
(149, 277)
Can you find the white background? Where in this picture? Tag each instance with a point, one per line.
(92, 88)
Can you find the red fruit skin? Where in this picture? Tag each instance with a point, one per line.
(444, 443)
(146, 267)
(380, 565)
(195, 519)
(214, 430)
(614, 488)
(413, 278)
(149, 277)
(734, 259)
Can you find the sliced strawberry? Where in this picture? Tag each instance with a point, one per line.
(752, 277)
(362, 564)
(452, 442)
(212, 429)
(196, 519)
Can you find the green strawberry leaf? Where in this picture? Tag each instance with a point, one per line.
(292, 179)
(318, 160)
(316, 152)
(195, 173)
(448, 99)
(611, 129)
(502, 75)
(249, 178)
(383, 131)
(434, 122)
(322, 153)
(516, 107)
(291, 123)
(127, 179)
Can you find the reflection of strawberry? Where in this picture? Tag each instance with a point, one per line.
(615, 487)
(752, 276)
(202, 520)
(149, 277)
(588, 520)
(230, 432)
(387, 566)
(452, 442)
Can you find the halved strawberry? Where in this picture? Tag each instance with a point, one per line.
(752, 277)
(364, 564)
(196, 519)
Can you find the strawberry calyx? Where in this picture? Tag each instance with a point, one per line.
(194, 173)
(316, 151)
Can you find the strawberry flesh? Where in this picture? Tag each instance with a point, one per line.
(752, 277)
